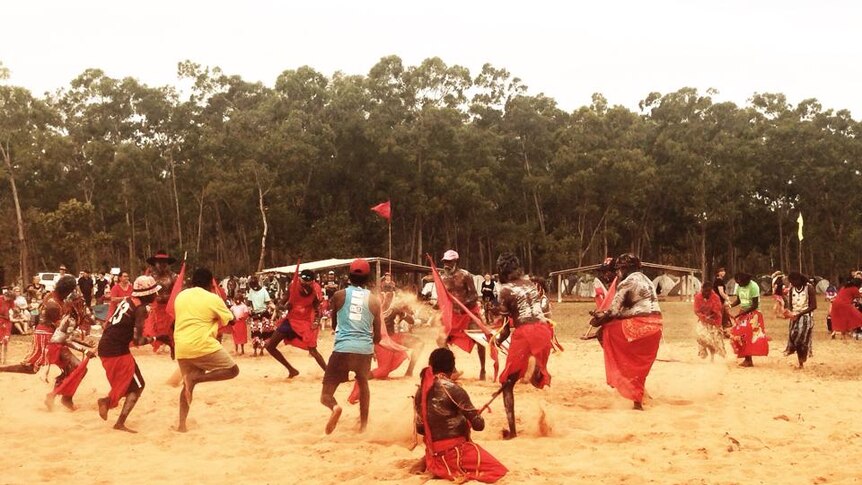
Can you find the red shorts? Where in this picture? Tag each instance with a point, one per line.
(530, 340)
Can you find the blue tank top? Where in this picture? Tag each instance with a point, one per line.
(355, 333)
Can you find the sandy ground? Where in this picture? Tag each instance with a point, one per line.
(705, 423)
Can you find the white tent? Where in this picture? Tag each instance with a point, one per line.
(664, 283)
(585, 287)
(822, 285)
(688, 285)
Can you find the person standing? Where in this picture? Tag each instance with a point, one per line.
(708, 308)
(101, 287)
(845, 316)
(445, 417)
(459, 284)
(356, 320)
(801, 301)
(720, 288)
(299, 327)
(779, 291)
(85, 286)
(201, 358)
(160, 322)
(119, 292)
(489, 297)
(748, 335)
(532, 334)
(240, 325)
(124, 328)
(630, 330)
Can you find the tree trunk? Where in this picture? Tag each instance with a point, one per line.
(130, 240)
(703, 250)
(200, 220)
(176, 199)
(22, 240)
(782, 263)
(539, 214)
(265, 229)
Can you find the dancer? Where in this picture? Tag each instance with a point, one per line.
(445, 417)
(845, 316)
(124, 327)
(710, 337)
(160, 322)
(630, 330)
(459, 283)
(52, 342)
(531, 333)
(200, 356)
(748, 335)
(240, 325)
(719, 287)
(298, 327)
(356, 320)
(801, 301)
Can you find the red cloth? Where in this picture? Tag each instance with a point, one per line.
(457, 333)
(5, 330)
(240, 332)
(845, 316)
(748, 336)
(5, 323)
(119, 370)
(528, 340)
(70, 384)
(301, 315)
(117, 292)
(387, 361)
(708, 310)
(630, 346)
(158, 323)
(383, 210)
(38, 355)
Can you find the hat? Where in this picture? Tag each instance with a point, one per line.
(144, 286)
(63, 267)
(450, 255)
(161, 256)
(306, 275)
(331, 272)
(360, 267)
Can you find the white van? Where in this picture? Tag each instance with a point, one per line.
(49, 280)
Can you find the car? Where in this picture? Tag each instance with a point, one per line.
(48, 279)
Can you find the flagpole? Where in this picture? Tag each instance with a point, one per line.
(390, 245)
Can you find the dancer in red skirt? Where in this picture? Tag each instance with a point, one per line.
(459, 283)
(748, 335)
(845, 316)
(532, 335)
(630, 330)
(241, 313)
(160, 323)
(445, 417)
(125, 327)
(299, 327)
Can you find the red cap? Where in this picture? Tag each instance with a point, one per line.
(360, 266)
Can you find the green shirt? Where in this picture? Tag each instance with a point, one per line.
(747, 294)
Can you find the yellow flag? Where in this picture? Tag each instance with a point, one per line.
(799, 232)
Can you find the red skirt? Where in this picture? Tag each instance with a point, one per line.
(119, 370)
(240, 332)
(460, 324)
(38, 355)
(845, 316)
(630, 346)
(158, 323)
(5, 330)
(530, 340)
(70, 383)
(307, 335)
(460, 460)
(748, 337)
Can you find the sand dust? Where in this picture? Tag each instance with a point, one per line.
(704, 423)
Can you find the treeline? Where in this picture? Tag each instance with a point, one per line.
(106, 171)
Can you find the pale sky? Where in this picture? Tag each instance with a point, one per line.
(567, 50)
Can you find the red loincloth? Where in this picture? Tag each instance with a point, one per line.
(38, 355)
(630, 346)
(387, 361)
(158, 323)
(532, 339)
(460, 323)
(70, 384)
(845, 316)
(119, 370)
(748, 337)
(306, 332)
(240, 332)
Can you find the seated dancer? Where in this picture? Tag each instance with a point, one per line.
(52, 341)
(125, 327)
(531, 345)
(444, 417)
(845, 316)
(748, 336)
(356, 320)
(710, 336)
(630, 330)
(389, 359)
(801, 301)
(459, 283)
(298, 327)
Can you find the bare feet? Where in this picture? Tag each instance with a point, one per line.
(49, 401)
(746, 363)
(333, 419)
(482, 375)
(507, 435)
(638, 406)
(103, 408)
(122, 427)
(66, 401)
(291, 373)
(180, 429)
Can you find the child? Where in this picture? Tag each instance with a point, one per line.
(240, 327)
(20, 316)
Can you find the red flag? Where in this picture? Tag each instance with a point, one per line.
(609, 297)
(383, 210)
(443, 300)
(178, 287)
(217, 289)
